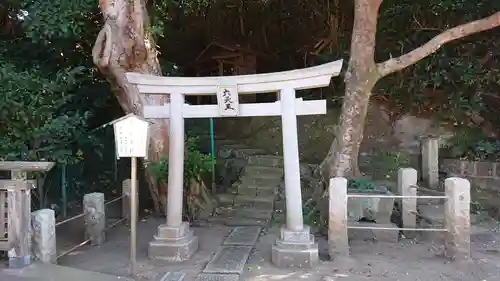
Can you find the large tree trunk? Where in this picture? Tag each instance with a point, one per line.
(360, 78)
(124, 45)
(362, 75)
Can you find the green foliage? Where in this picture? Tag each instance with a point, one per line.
(51, 94)
(385, 164)
(36, 123)
(196, 166)
(56, 19)
(456, 81)
(361, 184)
(471, 144)
(476, 207)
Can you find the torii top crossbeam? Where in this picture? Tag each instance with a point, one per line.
(299, 79)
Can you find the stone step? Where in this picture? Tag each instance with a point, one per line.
(266, 160)
(271, 182)
(241, 200)
(245, 191)
(225, 198)
(255, 191)
(250, 213)
(264, 171)
(245, 199)
(249, 185)
(271, 177)
(227, 151)
(245, 152)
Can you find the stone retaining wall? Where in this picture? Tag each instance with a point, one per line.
(471, 169)
(483, 174)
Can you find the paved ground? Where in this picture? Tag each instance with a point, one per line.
(44, 272)
(409, 260)
(406, 261)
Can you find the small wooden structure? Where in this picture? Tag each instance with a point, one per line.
(219, 59)
(15, 209)
(312, 51)
(224, 59)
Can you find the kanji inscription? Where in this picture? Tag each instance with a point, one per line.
(227, 100)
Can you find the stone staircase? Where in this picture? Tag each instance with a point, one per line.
(250, 200)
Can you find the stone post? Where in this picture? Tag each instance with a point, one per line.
(19, 220)
(43, 224)
(338, 241)
(407, 186)
(430, 162)
(126, 186)
(175, 240)
(295, 247)
(95, 218)
(457, 220)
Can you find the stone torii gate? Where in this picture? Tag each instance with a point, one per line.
(175, 241)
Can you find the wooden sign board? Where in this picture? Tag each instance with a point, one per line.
(131, 136)
(227, 100)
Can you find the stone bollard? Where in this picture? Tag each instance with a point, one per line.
(43, 223)
(95, 218)
(338, 242)
(407, 186)
(126, 186)
(457, 221)
(430, 162)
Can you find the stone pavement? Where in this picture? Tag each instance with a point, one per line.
(230, 260)
(228, 263)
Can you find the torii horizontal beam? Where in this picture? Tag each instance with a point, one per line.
(299, 79)
(246, 109)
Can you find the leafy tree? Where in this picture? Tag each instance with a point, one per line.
(363, 73)
(37, 123)
(49, 91)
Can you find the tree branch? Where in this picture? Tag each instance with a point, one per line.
(432, 46)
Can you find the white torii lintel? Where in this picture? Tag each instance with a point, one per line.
(288, 107)
(299, 79)
(246, 109)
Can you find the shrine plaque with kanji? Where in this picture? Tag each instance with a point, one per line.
(227, 100)
(131, 136)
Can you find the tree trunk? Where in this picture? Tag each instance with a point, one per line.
(362, 75)
(124, 45)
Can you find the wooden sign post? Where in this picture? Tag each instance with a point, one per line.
(132, 141)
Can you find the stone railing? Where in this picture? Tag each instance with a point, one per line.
(95, 224)
(456, 222)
